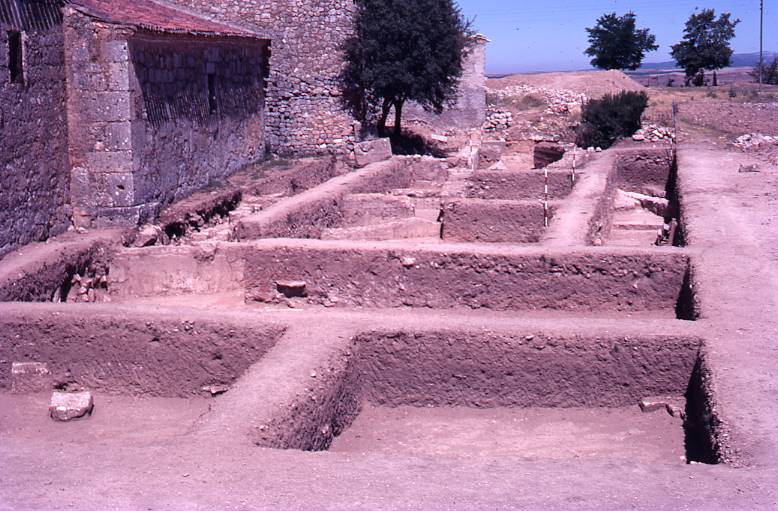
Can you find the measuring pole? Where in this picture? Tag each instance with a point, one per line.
(545, 201)
(761, 43)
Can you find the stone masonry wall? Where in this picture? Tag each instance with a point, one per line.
(142, 130)
(469, 111)
(305, 112)
(34, 177)
(179, 144)
(99, 121)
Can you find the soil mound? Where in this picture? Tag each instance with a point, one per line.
(590, 83)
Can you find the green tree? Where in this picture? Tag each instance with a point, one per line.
(769, 72)
(404, 50)
(617, 43)
(705, 45)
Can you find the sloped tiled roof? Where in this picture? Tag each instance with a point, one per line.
(157, 17)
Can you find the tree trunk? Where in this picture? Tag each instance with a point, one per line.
(398, 114)
(715, 79)
(385, 108)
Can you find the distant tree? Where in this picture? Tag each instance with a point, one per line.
(769, 72)
(404, 50)
(617, 43)
(705, 45)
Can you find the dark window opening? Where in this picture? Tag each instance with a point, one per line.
(212, 100)
(16, 56)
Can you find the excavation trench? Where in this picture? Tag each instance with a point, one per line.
(434, 392)
(309, 273)
(640, 206)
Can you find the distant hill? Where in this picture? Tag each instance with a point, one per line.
(738, 60)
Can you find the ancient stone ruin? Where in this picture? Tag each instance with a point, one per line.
(214, 295)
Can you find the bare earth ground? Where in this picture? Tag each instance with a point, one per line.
(527, 433)
(140, 453)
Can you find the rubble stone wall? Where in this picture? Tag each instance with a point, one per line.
(181, 142)
(305, 110)
(34, 177)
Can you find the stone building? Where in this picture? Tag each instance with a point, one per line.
(305, 108)
(110, 109)
(160, 103)
(34, 173)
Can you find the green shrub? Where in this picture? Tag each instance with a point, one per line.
(604, 121)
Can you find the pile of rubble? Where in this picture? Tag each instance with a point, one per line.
(653, 133)
(559, 101)
(498, 119)
(756, 141)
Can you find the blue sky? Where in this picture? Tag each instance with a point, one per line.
(550, 35)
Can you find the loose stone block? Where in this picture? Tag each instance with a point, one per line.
(372, 151)
(292, 288)
(67, 406)
(29, 377)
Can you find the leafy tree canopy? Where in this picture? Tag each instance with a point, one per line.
(617, 43)
(769, 72)
(404, 50)
(705, 43)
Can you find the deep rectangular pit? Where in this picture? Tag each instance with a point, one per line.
(640, 205)
(429, 392)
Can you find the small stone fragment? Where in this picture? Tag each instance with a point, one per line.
(292, 288)
(653, 404)
(676, 411)
(67, 406)
(408, 262)
(215, 390)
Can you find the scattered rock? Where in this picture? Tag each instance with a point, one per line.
(372, 151)
(755, 141)
(27, 377)
(498, 119)
(748, 169)
(292, 288)
(148, 236)
(672, 405)
(653, 133)
(215, 390)
(631, 200)
(653, 404)
(67, 406)
(408, 262)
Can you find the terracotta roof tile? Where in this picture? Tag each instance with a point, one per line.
(156, 16)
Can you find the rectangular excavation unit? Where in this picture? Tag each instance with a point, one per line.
(640, 204)
(414, 391)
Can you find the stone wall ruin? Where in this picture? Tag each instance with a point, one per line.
(33, 129)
